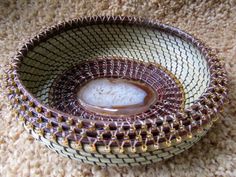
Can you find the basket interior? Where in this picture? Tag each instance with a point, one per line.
(42, 65)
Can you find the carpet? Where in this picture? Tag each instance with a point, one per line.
(213, 21)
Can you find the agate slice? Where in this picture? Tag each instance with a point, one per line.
(116, 96)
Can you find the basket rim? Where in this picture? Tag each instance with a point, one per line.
(215, 66)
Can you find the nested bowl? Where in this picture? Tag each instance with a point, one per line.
(184, 86)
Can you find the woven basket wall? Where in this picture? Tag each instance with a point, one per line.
(45, 72)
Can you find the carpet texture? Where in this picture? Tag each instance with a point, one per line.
(214, 22)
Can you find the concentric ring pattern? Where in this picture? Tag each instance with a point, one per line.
(63, 93)
(193, 79)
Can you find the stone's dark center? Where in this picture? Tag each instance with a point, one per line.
(115, 96)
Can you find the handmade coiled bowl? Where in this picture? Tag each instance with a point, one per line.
(163, 90)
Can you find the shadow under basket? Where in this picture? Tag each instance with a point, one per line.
(182, 86)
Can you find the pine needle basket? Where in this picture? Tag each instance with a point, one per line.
(44, 74)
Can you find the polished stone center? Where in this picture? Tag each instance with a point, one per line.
(116, 96)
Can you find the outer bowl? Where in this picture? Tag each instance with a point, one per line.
(42, 78)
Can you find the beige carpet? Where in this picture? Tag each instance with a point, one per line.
(214, 22)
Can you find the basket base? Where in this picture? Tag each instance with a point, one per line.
(165, 93)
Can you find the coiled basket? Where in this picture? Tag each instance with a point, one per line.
(47, 71)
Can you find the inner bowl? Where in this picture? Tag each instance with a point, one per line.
(181, 85)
